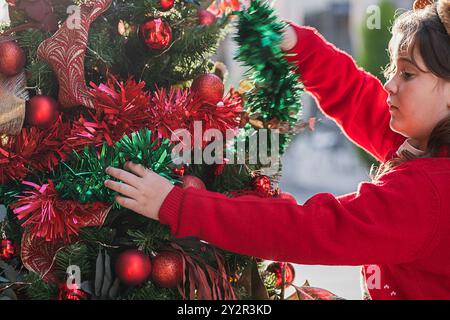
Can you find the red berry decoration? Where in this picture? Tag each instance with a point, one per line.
(263, 185)
(64, 293)
(133, 267)
(289, 274)
(206, 18)
(209, 88)
(166, 5)
(287, 196)
(167, 269)
(12, 58)
(179, 171)
(8, 249)
(41, 111)
(156, 33)
(193, 182)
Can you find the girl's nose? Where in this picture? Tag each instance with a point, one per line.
(390, 86)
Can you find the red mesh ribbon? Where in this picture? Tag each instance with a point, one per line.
(38, 255)
(65, 51)
(52, 224)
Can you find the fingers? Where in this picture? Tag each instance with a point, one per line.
(137, 169)
(122, 188)
(124, 176)
(128, 203)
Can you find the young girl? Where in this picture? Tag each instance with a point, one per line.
(397, 227)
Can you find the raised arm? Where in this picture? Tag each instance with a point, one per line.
(355, 99)
(384, 223)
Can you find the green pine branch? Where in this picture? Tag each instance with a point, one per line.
(149, 291)
(39, 289)
(74, 255)
(151, 238)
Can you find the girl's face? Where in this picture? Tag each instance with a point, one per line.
(418, 99)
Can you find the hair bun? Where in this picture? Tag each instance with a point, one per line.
(443, 8)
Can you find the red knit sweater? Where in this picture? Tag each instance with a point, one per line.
(397, 228)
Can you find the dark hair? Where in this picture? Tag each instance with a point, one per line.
(424, 30)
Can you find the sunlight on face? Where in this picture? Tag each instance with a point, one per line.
(418, 99)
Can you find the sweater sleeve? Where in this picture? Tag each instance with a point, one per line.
(379, 224)
(355, 99)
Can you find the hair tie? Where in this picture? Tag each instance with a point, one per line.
(422, 4)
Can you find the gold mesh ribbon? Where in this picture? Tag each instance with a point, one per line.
(13, 97)
(12, 113)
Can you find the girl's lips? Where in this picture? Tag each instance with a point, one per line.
(392, 107)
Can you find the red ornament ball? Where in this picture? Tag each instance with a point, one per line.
(193, 182)
(206, 18)
(8, 249)
(209, 88)
(289, 274)
(167, 269)
(287, 196)
(166, 5)
(133, 267)
(12, 58)
(74, 293)
(156, 33)
(41, 111)
(263, 185)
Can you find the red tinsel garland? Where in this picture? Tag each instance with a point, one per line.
(121, 105)
(88, 132)
(168, 111)
(175, 109)
(33, 149)
(122, 108)
(221, 117)
(50, 217)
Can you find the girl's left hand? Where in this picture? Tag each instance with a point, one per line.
(142, 190)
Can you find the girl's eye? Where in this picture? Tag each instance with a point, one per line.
(406, 75)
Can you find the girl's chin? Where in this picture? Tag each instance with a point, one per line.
(395, 127)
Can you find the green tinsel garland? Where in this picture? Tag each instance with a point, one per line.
(277, 90)
(82, 177)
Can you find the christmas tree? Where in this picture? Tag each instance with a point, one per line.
(87, 84)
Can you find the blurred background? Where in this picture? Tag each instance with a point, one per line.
(324, 160)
